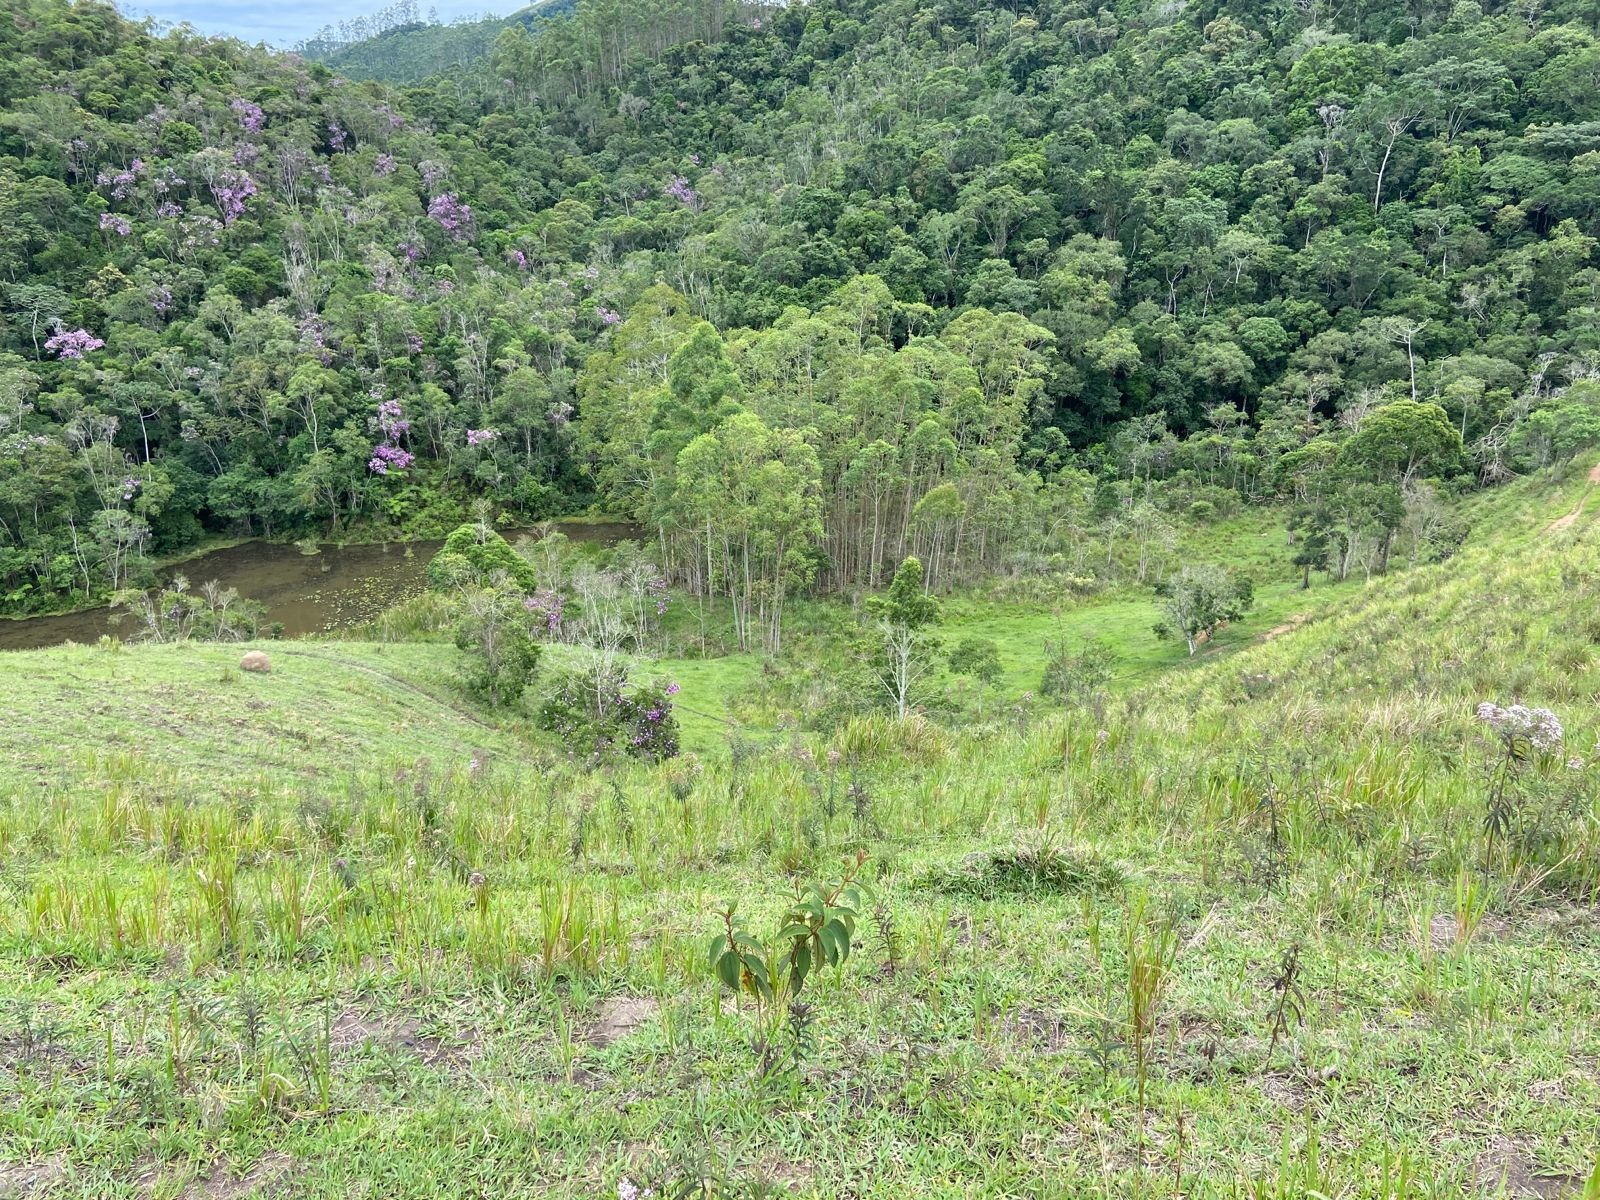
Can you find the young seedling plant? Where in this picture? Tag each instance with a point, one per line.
(815, 931)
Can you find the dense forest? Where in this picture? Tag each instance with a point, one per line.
(801, 288)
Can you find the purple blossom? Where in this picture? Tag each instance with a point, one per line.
(384, 165)
(547, 607)
(122, 183)
(168, 210)
(386, 458)
(454, 217)
(414, 343)
(161, 299)
(250, 115)
(411, 250)
(336, 136)
(680, 191)
(231, 191)
(519, 258)
(73, 343)
(1539, 727)
(672, 688)
(111, 222)
(480, 437)
(391, 417)
(130, 486)
(246, 153)
(444, 286)
(388, 455)
(608, 316)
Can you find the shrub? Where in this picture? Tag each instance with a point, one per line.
(594, 713)
(475, 555)
(1076, 678)
(493, 631)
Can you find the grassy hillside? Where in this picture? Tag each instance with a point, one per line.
(1241, 932)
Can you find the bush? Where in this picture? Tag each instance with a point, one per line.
(475, 555)
(1076, 678)
(594, 714)
(494, 631)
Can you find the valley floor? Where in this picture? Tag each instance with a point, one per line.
(1246, 930)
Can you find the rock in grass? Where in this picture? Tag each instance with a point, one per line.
(257, 661)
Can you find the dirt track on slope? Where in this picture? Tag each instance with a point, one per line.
(1571, 518)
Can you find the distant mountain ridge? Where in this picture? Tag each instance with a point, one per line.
(411, 51)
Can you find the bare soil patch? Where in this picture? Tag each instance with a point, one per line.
(32, 1178)
(1505, 1162)
(352, 1029)
(620, 1016)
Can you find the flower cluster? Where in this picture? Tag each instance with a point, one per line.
(1539, 727)
(251, 118)
(628, 1190)
(73, 343)
(391, 417)
(130, 486)
(672, 689)
(410, 251)
(337, 137)
(168, 209)
(246, 153)
(112, 223)
(454, 217)
(388, 455)
(546, 607)
(518, 258)
(231, 190)
(161, 299)
(657, 588)
(608, 316)
(384, 165)
(122, 183)
(680, 191)
(480, 437)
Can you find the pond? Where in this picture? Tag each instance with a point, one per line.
(337, 587)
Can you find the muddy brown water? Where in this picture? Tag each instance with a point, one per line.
(337, 587)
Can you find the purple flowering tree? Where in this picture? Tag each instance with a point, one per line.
(678, 189)
(251, 118)
(73, 343)
(451, 215)
(388, 456)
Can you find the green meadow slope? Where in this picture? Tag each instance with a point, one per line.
(1239, 931)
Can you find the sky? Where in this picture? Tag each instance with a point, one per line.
(284, 22)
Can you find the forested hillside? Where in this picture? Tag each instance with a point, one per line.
(805, 288)
(398, 46)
